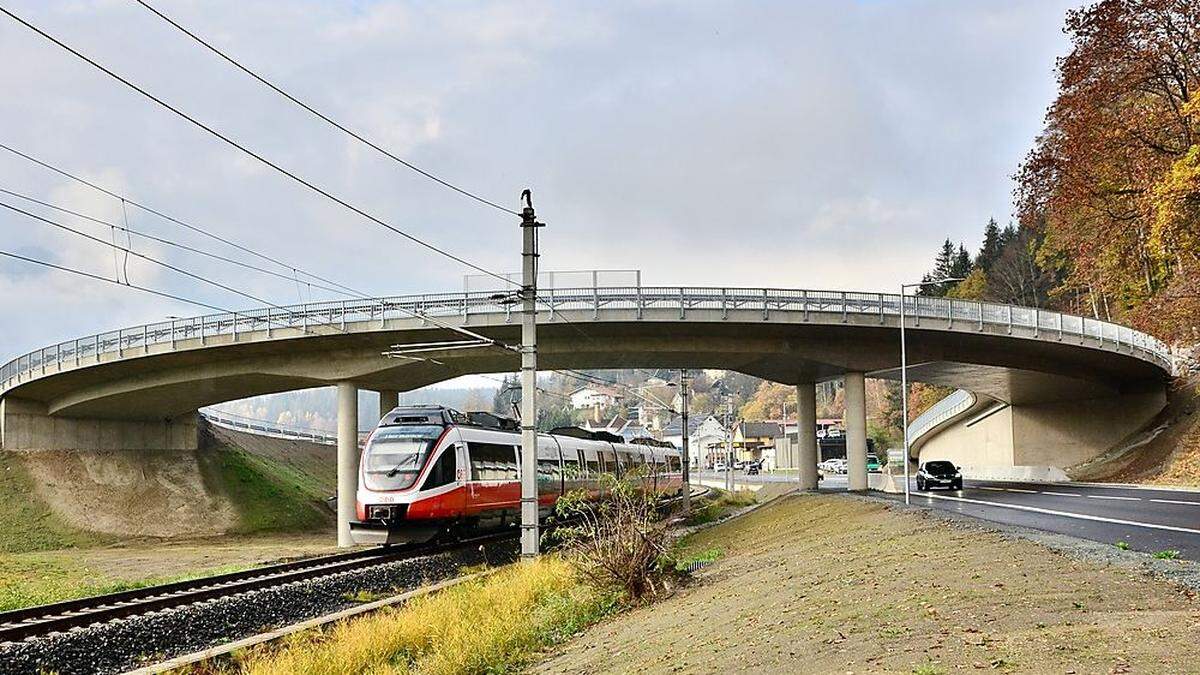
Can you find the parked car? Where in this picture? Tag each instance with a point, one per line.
(938, 473)
(873, 464)
(719, 465)
(753, 468)
(833, 466)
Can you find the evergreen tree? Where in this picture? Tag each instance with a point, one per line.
(942, 266)
(960, 267)
(989, 253)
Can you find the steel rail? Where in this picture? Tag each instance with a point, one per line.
(20, 624)
(308, 318)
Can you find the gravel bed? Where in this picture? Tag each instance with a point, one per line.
(124, 644)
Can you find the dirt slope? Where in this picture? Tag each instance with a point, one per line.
(1166, 453)
(823, 584)
(235, 483)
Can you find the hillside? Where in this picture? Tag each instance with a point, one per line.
(1166, 453)
(236, 483)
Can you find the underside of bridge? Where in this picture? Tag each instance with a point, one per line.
(1067, 398)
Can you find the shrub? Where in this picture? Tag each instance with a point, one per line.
(619, 543)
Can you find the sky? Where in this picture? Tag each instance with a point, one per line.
(826, 144)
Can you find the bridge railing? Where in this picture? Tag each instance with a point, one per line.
(334, 316)
(241, 423)
(954, 404)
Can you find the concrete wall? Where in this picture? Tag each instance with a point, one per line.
(24, 425)
(1034, 441)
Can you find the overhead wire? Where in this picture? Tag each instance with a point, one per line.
(260, 158)
(172, 219)
(97, 277)
(334, 123)
(168, 242)
(156, 261)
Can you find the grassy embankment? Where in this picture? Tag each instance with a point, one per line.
(43, 559)
(500, 623)
(830, 584)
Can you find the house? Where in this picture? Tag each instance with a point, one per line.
(593, 397)
(751, 438)
(706, 438)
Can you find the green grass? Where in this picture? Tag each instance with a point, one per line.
(714, 508)
(268, 496)
(37, 578)
(26, 521)
(1123, 545)
(1169, 554)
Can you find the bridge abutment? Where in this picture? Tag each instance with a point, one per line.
(26, 425)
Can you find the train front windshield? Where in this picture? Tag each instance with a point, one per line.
(395, 456)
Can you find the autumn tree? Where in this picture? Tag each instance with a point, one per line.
(1110, 185)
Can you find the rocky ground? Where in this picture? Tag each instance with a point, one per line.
(839, 584)
(124, 644)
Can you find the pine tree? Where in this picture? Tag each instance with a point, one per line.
(960, 267)
(989, 253)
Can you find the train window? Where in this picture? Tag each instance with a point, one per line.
(547, 470)
(610, 462)
(493, 461)
(442, 472)
(593, 465)
(571, 467)
(396, 454)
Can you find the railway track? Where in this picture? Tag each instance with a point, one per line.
(42, 620)
(21, 624)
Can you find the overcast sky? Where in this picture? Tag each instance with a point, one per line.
(822, 144)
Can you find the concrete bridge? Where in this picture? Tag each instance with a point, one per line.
(1070, 387)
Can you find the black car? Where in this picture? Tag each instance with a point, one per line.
(938, 473)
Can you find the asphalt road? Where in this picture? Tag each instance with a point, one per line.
(1149, 520)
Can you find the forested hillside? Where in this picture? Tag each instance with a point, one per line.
(1108, 199)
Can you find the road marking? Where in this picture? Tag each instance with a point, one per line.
(1062, 494)
(1031, 492)
(1065, 514)
(1124, 499)
(985, 487)
(1175, 501)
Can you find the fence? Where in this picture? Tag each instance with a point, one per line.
(337, 315)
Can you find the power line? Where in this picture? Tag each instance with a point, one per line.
(321, 115)
(311, 186)
(168, 242)
(156, 261)
(194, 228)
(97, 277)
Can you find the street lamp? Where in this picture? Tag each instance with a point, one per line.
(904, 373)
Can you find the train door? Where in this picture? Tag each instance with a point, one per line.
(549, 474)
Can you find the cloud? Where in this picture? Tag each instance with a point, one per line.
(817, 144)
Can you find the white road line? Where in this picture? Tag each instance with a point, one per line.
(1030, 492)
(986, 487)
(1124, 499)
(1175, 501)
(1061, 494)
(1065, 514)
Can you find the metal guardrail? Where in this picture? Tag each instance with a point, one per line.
(310, 318)
(954, 404)
(237, 422)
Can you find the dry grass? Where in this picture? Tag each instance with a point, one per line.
(825, 584)
(495, 624)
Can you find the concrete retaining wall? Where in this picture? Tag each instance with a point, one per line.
(24, 425)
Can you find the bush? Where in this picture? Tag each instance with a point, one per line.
(618, 544)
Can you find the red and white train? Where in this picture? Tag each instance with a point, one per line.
(429, 470)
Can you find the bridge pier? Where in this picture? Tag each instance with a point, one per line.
(347, 460)
(806, 436)
(388, 400)
(856, 430)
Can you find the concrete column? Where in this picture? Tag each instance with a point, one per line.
(856, 430)
(388, 400)
(347, 460)
(806, 434)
